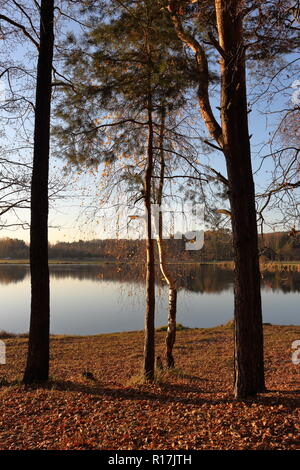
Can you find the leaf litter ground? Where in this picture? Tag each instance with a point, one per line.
(95, 398)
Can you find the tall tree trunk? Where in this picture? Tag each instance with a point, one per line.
(37, 368)
(171, 330)
(149, 344)
(249, 369)
(233, 139)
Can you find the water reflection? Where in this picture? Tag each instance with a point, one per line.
(281, 281)
(191, 277)
(13, 273)
(90, 299)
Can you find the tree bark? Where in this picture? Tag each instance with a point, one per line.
(249, 369)
(233, 139)
(149, 344)
(171, 330)
(37, 368)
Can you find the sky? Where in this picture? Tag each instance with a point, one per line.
(70, 217)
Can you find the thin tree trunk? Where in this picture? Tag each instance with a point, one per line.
(37, 368)
(249, 369)
(149, 345)
(171, 330)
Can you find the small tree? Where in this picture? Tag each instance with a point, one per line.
(130, 70)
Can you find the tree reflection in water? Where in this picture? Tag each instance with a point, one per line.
(205, 278)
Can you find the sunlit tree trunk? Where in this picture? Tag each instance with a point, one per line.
(172, 310)
(171, 330)
(37, 368)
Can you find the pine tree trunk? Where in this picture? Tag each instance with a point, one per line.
(149, 344)
(233, 139)
(37, 368)
(249, 369)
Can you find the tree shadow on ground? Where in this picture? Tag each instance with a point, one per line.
(166, 393)
(175, 393)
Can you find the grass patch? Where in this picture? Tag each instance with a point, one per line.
(179, 327)
(161, 377)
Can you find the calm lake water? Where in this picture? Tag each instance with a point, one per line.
(90, 299)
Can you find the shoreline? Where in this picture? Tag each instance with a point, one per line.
(159, 329)
(95, 262)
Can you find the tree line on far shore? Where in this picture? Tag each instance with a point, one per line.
(278, 246)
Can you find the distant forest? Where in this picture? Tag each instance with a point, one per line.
(278, 246)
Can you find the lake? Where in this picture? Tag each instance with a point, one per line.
(104, 298)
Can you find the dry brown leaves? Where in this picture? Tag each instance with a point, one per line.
(189, 408)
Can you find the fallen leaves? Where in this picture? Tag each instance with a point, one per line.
(190, 407)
